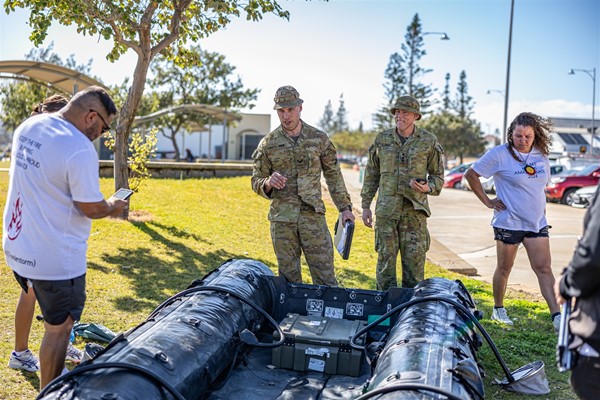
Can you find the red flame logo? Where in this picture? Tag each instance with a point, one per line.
(14, 227)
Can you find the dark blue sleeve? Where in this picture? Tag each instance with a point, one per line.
(582, 276)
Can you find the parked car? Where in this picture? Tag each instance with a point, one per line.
(582, 198)
(453, 178)
(487, 184)
(561, 188)
(570, 171)
(556, 169)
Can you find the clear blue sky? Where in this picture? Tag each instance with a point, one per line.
(343, 46)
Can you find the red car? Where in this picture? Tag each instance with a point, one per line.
(561, 188)
(453, 178)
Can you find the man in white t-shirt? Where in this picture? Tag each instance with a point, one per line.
(53, 194)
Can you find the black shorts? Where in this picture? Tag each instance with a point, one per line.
(58, 299)
(516, 237)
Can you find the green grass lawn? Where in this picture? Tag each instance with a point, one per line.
(182, 229)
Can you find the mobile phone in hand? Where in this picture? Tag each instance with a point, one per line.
(123, 194)
(421, 181)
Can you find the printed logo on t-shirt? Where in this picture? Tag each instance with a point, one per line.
(14, 227)
(532, 169)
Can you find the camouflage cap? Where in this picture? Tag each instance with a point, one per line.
(407, 103)
(286, 96)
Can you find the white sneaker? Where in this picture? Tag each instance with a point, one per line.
(26, 361)
(499, 314)
(74, 354)
(556, 322)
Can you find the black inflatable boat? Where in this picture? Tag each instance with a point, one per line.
(242, 333)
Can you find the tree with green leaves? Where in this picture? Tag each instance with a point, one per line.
(149, 28)
(403, 75)
(457, 132)
(17, 99)
(207, 79)
(353, 142)
(458, 136)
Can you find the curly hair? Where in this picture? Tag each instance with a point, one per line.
(541, 128)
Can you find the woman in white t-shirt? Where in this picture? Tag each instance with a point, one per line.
(521, 171)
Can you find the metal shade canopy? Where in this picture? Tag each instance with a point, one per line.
(46, 74)
(218, 113)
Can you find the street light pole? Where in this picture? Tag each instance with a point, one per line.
(512, 8)
(444, 37)
(443, 34)
(500, 92)
(592, 74)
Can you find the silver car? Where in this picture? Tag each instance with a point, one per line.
(486, 183)
(583, 197)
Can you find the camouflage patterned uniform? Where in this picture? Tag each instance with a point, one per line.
(401, 223)
(297, 211)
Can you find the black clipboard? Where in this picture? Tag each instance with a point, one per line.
(343, 237)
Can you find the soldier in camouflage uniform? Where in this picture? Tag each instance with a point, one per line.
(287, 168)
(405, 164)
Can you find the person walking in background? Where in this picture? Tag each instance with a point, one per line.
(53, 194)
(22, 357)
(581, 280)
(521, 170)
(287, 168)
(405, 164)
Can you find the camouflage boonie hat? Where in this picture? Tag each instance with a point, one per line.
(407, 103)
(285, 97)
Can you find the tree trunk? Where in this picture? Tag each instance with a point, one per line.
(177, 155)
(125, 121)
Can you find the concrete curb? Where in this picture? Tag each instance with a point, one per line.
(441, 256)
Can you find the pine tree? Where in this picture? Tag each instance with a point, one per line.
(458, 134)
(326, 122)
(464, 103)
(403, 73)
(341, 120)
(446, 101)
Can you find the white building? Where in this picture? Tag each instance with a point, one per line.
(241, 137)
(572, 136)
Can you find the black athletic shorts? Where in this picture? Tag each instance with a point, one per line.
(58, 299)
(516, 237)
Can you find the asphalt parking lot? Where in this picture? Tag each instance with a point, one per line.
(462, 238)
